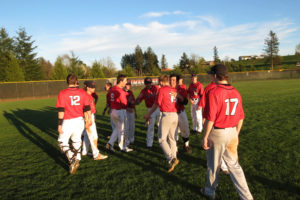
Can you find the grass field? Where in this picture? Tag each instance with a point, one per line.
(269, 152)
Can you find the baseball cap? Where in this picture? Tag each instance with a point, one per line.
(147, 80)
(90, 84)
(220, 70)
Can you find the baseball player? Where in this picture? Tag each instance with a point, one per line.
(195, 92)
(149, 94)
(183, 123)
(131, 113)
(224, 115)
(72, 104)
(90, 136)
(107, 88)
(201, 106)
(166, 101)
(118, 102)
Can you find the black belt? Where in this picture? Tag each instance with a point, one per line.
(218, 127)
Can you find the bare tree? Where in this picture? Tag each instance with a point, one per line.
(271, 47)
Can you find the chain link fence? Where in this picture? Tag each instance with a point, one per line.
(46, 89)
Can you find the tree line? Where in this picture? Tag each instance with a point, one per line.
(19, 61)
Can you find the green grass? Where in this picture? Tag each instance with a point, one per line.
(33, 168)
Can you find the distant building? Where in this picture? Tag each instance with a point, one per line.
(251, 57)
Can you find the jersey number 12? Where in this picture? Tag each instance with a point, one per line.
(75, 100)
(233, 100)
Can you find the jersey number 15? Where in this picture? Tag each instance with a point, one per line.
(228, 101)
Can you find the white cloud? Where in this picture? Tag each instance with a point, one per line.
(197, 36)
(161, 14)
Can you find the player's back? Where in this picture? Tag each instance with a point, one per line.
(73, 101)
(227, 105)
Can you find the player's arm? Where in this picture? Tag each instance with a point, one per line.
(149, 113)
(139, 99)
(208, 128)
(61, 113)
(239, 126)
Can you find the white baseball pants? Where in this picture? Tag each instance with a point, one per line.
(130, 127)
(72, 129)
(90, 138)
(166, 135)
(118, 118)
(155, 116)
(196, 116)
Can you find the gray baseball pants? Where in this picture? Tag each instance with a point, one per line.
(225, 142)
(166, 134)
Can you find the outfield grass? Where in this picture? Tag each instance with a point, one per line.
(33, 168)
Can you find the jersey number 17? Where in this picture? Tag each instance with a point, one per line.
(228, 101)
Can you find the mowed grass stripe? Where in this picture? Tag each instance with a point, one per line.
(33, 168)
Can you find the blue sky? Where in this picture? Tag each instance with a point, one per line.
(97, 29)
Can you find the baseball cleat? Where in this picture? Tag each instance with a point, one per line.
(87, 154)
(173, 164)
(187, 149)
(74, 166)
(109, 147)
(100, 157)
(202, 192)
(127, 150)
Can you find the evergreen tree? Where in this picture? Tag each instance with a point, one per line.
(150, 61)
(60, 70)
(6, 49)
(96, 71)
(216, 56)
(163, 62)
(27, 58)
(13, 71)
(184, 63)
(75, 66)
(271, 47)
(139, 60)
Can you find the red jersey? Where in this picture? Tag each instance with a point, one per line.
(118, 99)
(92, 102)
(130, 97)
(224, 106)
(195, 90)
(73, 101)
(183, 92)
(182, 86)
(149, 95)
(166, 101)
(204, 98)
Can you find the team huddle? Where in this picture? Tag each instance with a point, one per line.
(217, 110)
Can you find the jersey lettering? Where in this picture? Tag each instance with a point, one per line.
(75, 100)
(173, 99)
(233, 100)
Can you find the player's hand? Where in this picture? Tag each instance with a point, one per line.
(199, 108)
(147, 117)
(205, 144)
(88, 124)
(59, 129)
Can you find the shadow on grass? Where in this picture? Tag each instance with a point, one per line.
(275, 185)
(24, 130)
